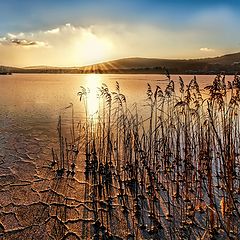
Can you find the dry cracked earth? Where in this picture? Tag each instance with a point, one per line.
(37, 204)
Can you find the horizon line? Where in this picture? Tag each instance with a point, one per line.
(116, 59)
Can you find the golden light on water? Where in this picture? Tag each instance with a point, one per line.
(93, 81)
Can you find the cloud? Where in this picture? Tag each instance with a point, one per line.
(63, 45)
(77, 45)
(205, 49)
(20, 40)
(53, 31)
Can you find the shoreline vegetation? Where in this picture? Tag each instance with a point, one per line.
(172, 174)
(229, 64)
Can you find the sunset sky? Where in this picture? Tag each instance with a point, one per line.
(81, 32)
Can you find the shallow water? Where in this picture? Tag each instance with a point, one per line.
(38, 98)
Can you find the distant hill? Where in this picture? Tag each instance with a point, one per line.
(230, 64)
(41, 67)
(4, 69)
(229, 59)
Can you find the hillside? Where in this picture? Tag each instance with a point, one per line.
(4, 69)
(230, 64)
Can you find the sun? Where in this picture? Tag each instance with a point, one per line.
(93, 48)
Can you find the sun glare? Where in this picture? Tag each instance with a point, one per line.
(93, 48)
(92, 82)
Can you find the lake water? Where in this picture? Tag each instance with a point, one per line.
(40, 97)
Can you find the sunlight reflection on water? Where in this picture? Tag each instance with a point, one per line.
(93, 81)
(40, 97)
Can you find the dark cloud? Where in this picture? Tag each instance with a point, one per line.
(23, 42)
(20, 42)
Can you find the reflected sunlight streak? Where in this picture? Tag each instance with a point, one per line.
(93, 81)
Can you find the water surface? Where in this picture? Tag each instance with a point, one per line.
(41, 97)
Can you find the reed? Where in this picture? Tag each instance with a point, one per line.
(171, 173)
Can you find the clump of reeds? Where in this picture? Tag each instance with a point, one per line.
(174, 171)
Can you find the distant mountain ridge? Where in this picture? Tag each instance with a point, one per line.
(229, 63)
